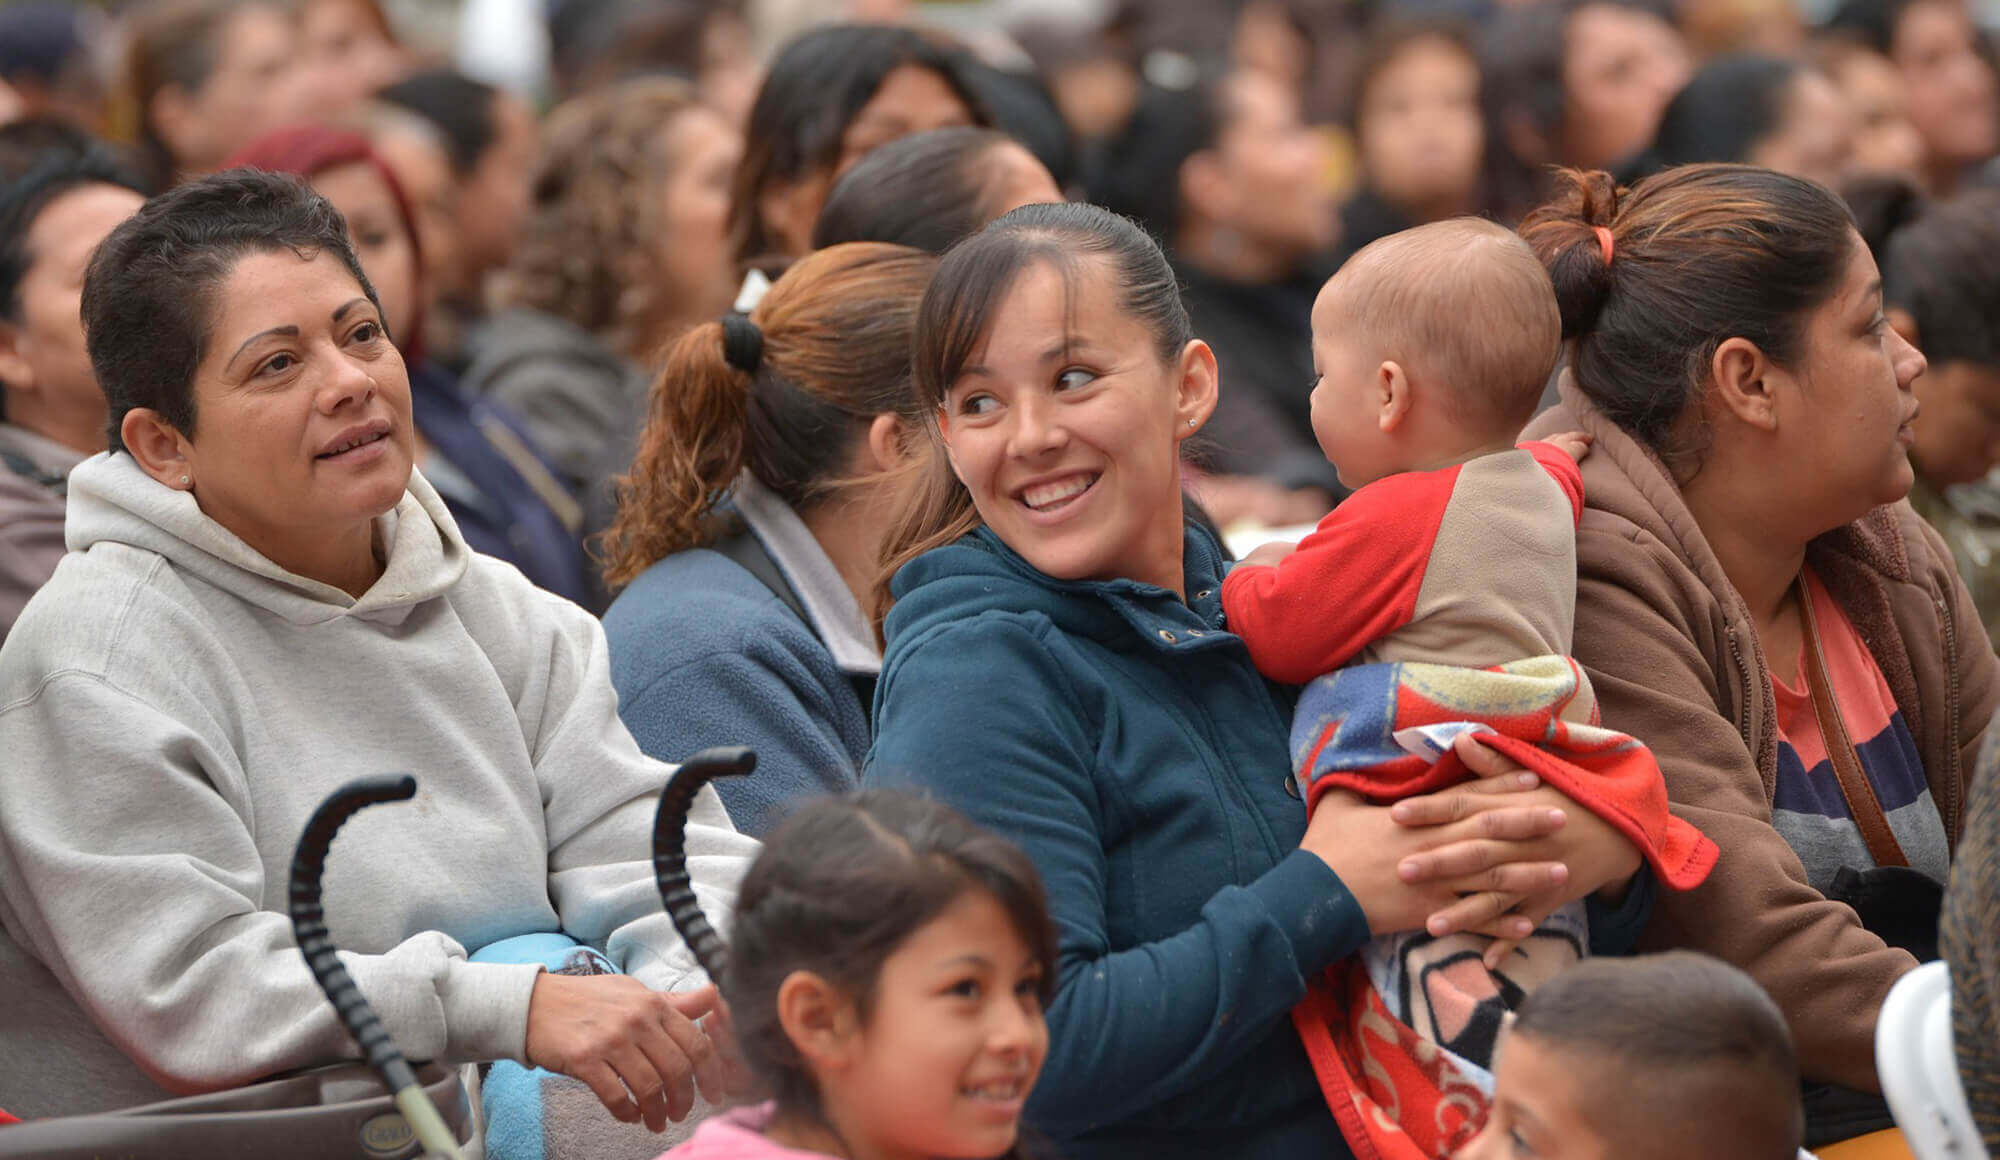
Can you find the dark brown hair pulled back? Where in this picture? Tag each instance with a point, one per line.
(972, 283)
(1700, 254)
(836, 353)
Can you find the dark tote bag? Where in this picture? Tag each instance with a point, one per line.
(1897, 904)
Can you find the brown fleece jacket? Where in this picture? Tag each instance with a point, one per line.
(1673, 652)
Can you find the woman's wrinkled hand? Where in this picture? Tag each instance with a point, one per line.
(638, 1049)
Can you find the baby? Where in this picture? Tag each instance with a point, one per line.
(1660, 1057)
(1439, 598)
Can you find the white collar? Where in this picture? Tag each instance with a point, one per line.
(830, 605)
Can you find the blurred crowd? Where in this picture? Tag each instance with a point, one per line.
(543, 222)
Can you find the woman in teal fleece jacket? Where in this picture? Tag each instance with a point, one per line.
(1057, 666)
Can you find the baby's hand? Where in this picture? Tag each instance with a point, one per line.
(1574, 444)
(1268, 555)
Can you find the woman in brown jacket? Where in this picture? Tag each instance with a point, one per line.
(1751, 410)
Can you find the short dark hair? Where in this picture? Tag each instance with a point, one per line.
(815, 88)
(40, 160)
(925, 191)
(1943, 266)
(1700, 254)
(459, 107)
(1139, 175)
(149, 297)
(840, 885)
(1708, 1048)
(1733, 102)
(1872, 22)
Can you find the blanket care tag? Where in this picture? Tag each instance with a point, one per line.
(1431, 742)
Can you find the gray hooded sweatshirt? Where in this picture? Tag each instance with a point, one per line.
(173, 706)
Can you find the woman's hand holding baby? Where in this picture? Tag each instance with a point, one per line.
(1463, 871)
(1595, 856)
(638, 1049)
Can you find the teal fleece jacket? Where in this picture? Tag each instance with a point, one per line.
(1125, 741)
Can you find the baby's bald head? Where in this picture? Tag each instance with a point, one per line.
(1463, 305)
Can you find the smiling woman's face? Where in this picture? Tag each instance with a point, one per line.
(1066, 426)
(297, 367)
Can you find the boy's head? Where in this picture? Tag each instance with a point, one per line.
(1430, 345)
(1661, 1057)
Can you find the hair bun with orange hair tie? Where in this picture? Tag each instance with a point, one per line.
(1603, 241)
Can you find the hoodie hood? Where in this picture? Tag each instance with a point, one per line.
(979, 574)
(111, 500)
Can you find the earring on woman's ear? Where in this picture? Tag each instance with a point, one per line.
(186, 482)
(1190, 422)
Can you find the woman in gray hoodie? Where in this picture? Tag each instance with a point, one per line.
(264, 600)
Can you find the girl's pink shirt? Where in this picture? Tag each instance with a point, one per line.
(736, 1135)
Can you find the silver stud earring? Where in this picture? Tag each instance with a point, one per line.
(185, 481)
(1190, 422)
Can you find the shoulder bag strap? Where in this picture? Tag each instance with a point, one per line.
(747, 552)
(1854, 786)
(743, 549)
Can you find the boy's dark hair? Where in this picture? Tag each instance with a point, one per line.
(926, 191)
(148, 299)
(840, 885)
(459, 107)
(1679, 1055)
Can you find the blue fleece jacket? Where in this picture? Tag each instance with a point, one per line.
(1124, 739)
(703, 654)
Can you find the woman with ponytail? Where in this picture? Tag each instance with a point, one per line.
(750, 525)
(1755, 598)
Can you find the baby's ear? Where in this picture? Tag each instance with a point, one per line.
(820, 1020)
(1393, 395)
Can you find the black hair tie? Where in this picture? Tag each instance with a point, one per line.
(742, 343)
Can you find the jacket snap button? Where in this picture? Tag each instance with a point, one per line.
(1167, 636)
(1292, 784)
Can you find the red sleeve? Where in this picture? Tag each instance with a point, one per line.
(1564, 470)
(1354, 580)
